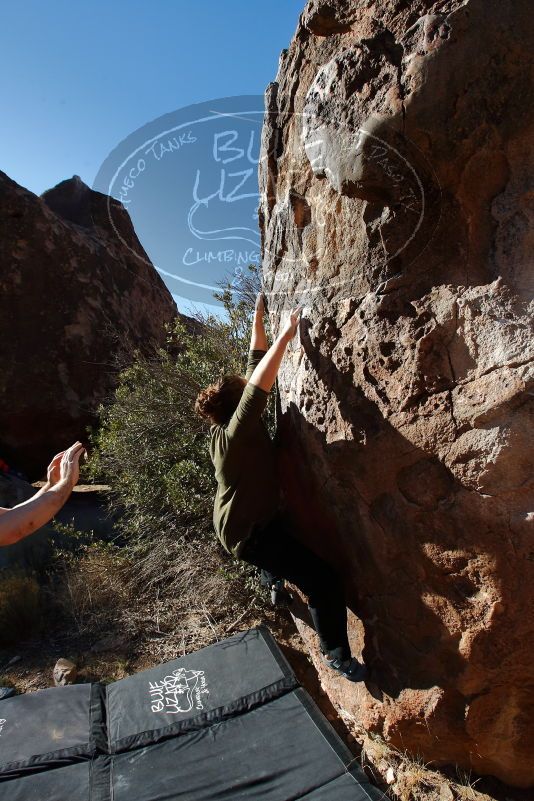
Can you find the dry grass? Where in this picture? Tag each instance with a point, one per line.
(200, 596)
(116, 610)
(20, 607)
(176, 594)
(90, 587)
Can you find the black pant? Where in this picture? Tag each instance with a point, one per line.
(273, 549)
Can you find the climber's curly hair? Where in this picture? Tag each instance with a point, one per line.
(218, 402)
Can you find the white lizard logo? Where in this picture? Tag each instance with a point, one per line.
(179, 692)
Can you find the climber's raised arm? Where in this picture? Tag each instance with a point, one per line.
(258, 338)
(265, 372)
(27, 517)
(237, 403)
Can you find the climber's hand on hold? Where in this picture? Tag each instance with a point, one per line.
(265, 372)
(292, 323)
(258, 338)
(260, 303)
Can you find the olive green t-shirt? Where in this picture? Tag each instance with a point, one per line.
(245, 467)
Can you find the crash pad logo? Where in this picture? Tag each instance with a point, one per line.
(180, 692)
(2, 724)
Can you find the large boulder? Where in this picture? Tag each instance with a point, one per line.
(78, 295)
(396, 205)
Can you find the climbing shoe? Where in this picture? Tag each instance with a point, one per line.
(350, 668)
(279, 595)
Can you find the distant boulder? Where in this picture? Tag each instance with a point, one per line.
(77, 296)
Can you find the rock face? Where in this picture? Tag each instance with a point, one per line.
(396, 196)
(76, 298)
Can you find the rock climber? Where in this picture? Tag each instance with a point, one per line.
(248, 515)
(25, 518)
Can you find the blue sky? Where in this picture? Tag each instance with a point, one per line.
(76, 78)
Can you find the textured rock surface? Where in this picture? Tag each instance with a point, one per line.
(396, 181)
(65, 672)
(73, 298)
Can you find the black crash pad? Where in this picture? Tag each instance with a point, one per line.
(219, 681)
(50, 727)
(79, 781)
(226, 722)
(282, 750)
